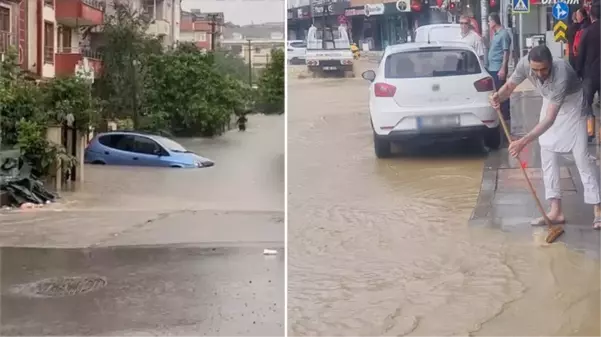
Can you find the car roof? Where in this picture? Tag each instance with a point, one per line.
(413, 46)
(127, 132)
(439, 25)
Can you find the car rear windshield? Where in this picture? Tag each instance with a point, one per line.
(431, 63)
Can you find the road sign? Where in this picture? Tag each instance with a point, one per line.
(520, 6)
(560, 10)
(559, 31)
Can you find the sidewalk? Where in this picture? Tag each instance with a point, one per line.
(504, 201)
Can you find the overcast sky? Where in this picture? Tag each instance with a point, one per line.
(242, 12)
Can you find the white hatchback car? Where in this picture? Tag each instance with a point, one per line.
(296, 51)
(438, 32)
(429, 91)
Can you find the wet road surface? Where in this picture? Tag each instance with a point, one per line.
(240, 199)
(382, 247)
(148, 292)
(182, 250)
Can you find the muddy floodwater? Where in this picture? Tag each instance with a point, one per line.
(382, 247)
(240, 199)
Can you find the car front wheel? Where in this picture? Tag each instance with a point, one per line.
(382, 147)
(493, 138)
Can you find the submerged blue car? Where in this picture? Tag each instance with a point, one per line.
(139, 149)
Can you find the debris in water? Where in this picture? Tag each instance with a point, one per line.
(270, 252)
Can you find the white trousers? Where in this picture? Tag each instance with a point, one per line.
(586, 169)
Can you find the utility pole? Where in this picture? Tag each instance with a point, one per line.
(213, 23)
(250, 63)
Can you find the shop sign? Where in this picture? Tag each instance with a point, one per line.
(299, 13)
(336, 8)
(553, 2)
(373, 9)
(354, 11)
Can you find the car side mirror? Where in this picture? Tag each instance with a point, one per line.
(369, 75)
(158, 152)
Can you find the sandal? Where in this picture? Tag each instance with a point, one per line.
(541, 222)
(597, 223)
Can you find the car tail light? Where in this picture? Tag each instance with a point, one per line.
(346, 62)
(485, 84)
(313, 63)
(384, 90)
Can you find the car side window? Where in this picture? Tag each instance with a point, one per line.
(110, 140)
(145, 145)
(124, 143)
(298, 45)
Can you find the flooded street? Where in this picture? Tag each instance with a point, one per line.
(239, 200)
(382, 247)
(140, 251)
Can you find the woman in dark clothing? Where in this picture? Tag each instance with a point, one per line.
(572, 29)
(581, 21)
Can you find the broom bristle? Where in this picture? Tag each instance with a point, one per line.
(554, 233)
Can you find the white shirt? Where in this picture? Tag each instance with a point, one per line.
(475, 41)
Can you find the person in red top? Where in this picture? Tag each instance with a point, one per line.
(474, 23)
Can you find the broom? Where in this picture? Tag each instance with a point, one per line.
(554, 231)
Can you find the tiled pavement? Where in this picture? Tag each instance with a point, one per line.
(505, 202)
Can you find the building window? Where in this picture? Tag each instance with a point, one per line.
(49, 3)
(48, 42)
(5, 31)
(201, 36)
(66, 39)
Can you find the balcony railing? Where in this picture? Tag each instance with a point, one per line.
(95, 4)
(86, 52)
(7, 40)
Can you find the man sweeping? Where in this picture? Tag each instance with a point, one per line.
(561, 128)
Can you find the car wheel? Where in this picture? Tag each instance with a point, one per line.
(492, 139)
(381, 147)
(98, 162)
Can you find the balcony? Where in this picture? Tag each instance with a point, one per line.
(8, 40)
(68, 59)
(75, 13)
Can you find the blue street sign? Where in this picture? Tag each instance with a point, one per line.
(520, 6)
(560, 10)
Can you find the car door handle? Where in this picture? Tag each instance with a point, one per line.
(135, 158)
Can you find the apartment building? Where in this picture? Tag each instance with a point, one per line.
(254, 43)
(13, 29)
(48, 34)
(164, 15)
(196, 27)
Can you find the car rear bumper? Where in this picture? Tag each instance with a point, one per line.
(478, 131)
(472, 117)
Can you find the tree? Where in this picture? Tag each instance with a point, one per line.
(125, 48)
(271, 85)
(187, 95)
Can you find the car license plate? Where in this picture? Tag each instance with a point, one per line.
(330, 68)
(437, 122)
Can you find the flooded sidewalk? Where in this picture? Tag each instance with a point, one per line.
(505, 201)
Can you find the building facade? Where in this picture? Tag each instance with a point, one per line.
(198, 28)
(47, 34)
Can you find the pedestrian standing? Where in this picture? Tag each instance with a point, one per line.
(470, 37)
(571, 35)
(498, 57)
(561, 127)
(473, 22)
(587, 62)
(583, 21)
